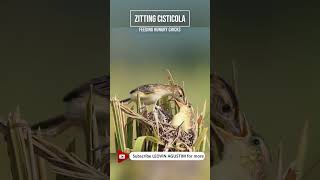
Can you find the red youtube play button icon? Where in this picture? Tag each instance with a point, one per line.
(122, 156)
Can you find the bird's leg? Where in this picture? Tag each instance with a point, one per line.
(142, 108)
(155, 105)
(155, 114)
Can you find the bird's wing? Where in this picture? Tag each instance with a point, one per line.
(53, 126)
(147, 89)
(100, 86)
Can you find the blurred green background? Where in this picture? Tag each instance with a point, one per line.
(142, 58)
(276, 46)
(47, 48)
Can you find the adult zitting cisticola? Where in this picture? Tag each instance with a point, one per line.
(149, 94)
(75, 111)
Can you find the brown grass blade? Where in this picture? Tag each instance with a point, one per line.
(302, 149)
(42, 170)
(280, 162)
(170, 77)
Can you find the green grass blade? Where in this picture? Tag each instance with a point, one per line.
(200, 139)
(140, 142)
(117, 123)
(129, 132)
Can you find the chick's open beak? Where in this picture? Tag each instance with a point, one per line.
(223, 135)
(178, 103)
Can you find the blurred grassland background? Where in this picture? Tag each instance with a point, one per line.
(142, 58)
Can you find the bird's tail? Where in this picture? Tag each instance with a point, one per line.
(126, 101)
(53, 126)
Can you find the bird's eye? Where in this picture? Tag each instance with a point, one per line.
(256, 142)
(226, 108)
(189, 106)
(181, 95)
